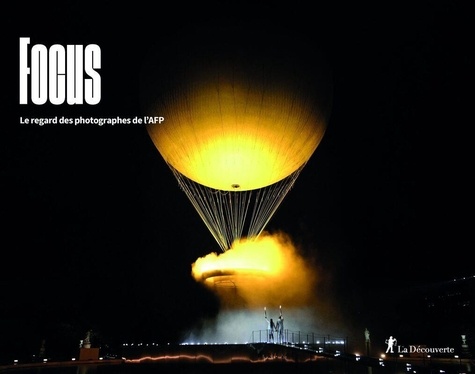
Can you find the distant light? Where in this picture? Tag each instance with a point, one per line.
(73, 359)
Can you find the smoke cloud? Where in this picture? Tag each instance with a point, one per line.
(256, 278)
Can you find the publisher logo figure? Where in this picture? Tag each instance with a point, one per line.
(391, 342)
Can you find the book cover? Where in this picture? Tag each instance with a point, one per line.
(182, 174)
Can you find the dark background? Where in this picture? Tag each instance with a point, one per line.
(97, 234)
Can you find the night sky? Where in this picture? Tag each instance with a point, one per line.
(97, 234)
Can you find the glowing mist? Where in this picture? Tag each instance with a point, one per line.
(264, 272)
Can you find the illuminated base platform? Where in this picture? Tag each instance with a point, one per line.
(246, 358)
(260, 357)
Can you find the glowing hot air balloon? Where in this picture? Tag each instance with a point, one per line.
(238, 130)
